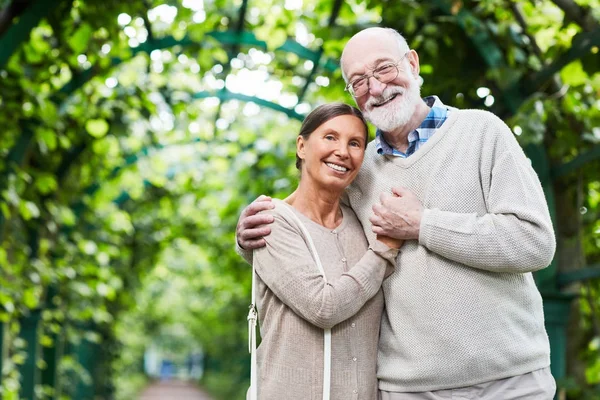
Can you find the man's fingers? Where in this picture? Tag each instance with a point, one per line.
(251, 235)
(263, 197)
(384, 196)
(378, 209)
(252, 244)
(378, 230)
(377, 221)
(256, 220)
(372, 219)
(400, 191)
(257, 206)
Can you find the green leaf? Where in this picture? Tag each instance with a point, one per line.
(48, 112)
(79, 40)
(97, 127)
(573, 74)
(67, 216)
(30, 299)
(45, 183)
(276, 39)
(28, 210)
(47, 137)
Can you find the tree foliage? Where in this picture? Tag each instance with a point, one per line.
(122, 173)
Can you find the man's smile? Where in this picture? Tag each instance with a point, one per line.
(386, 100)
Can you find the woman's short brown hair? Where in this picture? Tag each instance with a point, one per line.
(324, 113)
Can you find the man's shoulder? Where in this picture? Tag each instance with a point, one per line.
(480, 123)
(474, 113)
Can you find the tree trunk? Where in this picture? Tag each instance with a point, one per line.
(570, 256)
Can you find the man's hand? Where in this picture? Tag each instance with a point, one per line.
(398, 216)
(251, 227)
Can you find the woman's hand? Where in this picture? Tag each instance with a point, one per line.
(390, 242)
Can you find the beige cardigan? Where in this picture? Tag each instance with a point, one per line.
(295, 305)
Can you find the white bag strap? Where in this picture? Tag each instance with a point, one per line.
(252, 318)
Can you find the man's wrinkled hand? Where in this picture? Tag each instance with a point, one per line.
(398, 215)
(251, 228)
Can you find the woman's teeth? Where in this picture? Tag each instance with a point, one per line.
(337, 167)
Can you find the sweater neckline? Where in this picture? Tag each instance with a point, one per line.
(306, 220)
(427, 146)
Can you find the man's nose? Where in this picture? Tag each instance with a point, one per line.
(376, 88)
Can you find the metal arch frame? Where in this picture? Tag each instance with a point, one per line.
(235, 38)
(144, 152)
(19, 32)
(487, 48)
(225, 38)
(18, 152)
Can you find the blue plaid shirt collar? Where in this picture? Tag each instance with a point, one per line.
(434, 120)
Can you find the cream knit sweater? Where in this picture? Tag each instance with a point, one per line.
(462, 307)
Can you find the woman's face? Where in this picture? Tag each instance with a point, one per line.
(334, 152)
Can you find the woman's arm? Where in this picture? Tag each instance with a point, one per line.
(286, 266)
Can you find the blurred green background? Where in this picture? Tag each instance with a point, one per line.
(134, 132)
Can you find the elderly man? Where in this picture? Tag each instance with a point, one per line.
(463, 317)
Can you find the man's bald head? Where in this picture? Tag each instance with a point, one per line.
(364, 40)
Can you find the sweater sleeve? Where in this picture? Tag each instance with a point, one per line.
(286, 266)
(516, 234)
(245, 254)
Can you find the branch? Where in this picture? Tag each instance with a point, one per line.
(517, 12)
(12, 10)
(580, 15)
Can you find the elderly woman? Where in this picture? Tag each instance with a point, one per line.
(297, 303)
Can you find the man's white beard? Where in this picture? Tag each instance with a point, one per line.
(397, 113)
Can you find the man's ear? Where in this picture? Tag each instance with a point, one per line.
(300, 147)
(413, 59)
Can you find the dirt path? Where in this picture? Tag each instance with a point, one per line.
(173, 390)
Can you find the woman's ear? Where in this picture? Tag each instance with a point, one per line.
(300, 147)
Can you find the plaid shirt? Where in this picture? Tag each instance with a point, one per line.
(434, 120)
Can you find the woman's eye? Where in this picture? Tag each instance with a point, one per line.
(329, 137)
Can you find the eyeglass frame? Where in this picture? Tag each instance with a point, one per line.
(372, 75)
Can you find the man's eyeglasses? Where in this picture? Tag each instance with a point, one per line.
(384, 74)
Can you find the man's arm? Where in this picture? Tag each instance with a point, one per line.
(252, 227)
(515, 235)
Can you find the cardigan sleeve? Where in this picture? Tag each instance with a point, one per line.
(286, 266)
(516, 234)
(244, 253)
